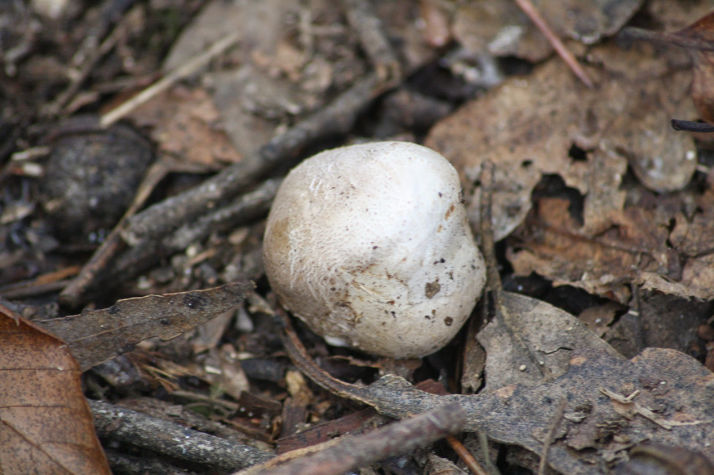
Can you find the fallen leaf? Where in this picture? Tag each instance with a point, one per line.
(657, 458)
(261, 87)
(45, 423)
(674, 15)
(588, 22)
(549, 123)
(662, 321)
(551, 245)
(185, 123)
(552, 335)
(502, 29)
(701, 35)
(637, 249)
(98, 335)
(293, 57)
(672, 385)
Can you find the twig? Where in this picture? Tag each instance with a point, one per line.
(466, 456)
(691, 126)
(164, 83)
(485, 453)
(512, 414)
(550, 436)
(74, 292)
(298, 355)
(110, 13)
(179, 442)
(336, 118)
(364, 20)
(350, 452)
(249, 206)
(530, 10)
(78, 79)
(48, 282)
(147, 251)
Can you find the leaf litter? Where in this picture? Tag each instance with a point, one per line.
(592, 189)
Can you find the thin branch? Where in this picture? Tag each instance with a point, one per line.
(364, 20)
(72, 294)
(164, 83)
(335, 118)
(530, 10)
(91, 61)
(350, 452)
(177, 441)
(691, 126)
(466, 456)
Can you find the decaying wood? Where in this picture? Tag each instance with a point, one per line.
(173, 440)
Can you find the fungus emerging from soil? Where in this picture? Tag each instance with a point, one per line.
(369, 245)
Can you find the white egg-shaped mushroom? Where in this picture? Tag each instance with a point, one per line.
(369, 245)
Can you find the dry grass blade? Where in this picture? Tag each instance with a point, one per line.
(530, 10)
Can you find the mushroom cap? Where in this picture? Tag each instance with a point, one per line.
(369, 245)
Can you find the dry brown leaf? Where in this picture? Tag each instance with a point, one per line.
(548, 124)
(502, 29)
(588, 22)
(551, 244)
(98, 335)
(186, 124)
(45, 423)
(552, 334)
(253, 104)
(674, 15)
(701, 35)
(270, 78)
(692, 235)
(662, 321)
(593, 433)
(638, 248)
(292, 57)
(697, 39)
(530, 126)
